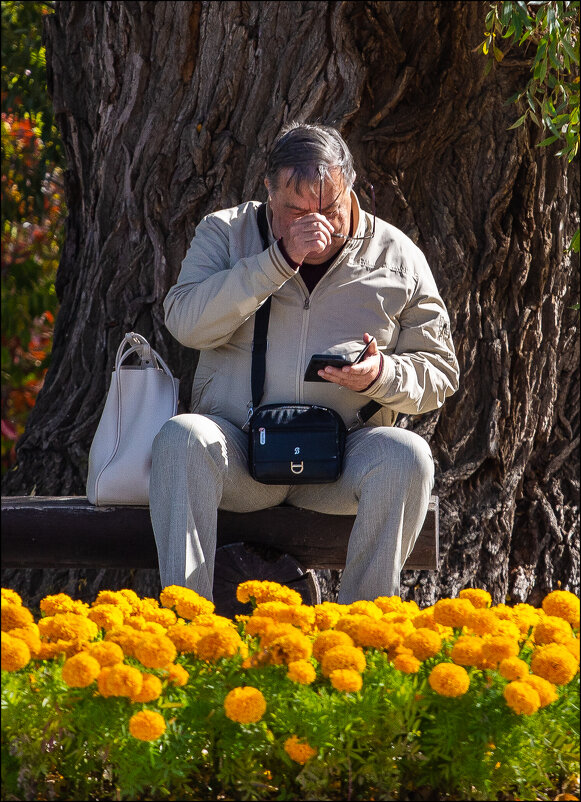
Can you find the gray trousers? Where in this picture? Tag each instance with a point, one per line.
(200, 465)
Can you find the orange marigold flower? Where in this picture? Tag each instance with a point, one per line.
(263, 591)
(496, 647)
(121, 680)
(212, 621)
(552, 629)
(219, 643)
(271, 630)
(512, 668)
(389, 604)
(151, 611)
(245, 705)
(546, 690)
(102, 681)
(147, 725)
(343, 657)
(15, 653)
(326, 640)
(80, 670)
(30, 635)
(62, 603)
(297, 614)
(116, 598)
(376, 634)
(555, 663)
(106, 653)
(479, 598)
(293, 646)
(509, 629)
(49, 650)
(14, 616)
(351, 623)
(185, 638)
(563, 604)
(452, 612)
(524, 616)
(150, 689)
(327, 614)
(155, 651)
(190, 608)
(522, 698)
(368, 608)
(449, 679)
(106, 616)
(11, 596)
(572, 646)
(407, 663)
(299, 750)
(68, 626)
(126, 637)
(301, 671)
(483, 621)
(346, 679)
(425, 618)
(423, 642)
(177, 674)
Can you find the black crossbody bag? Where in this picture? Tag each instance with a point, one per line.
(291, 443)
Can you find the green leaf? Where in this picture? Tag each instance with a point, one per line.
(516, 124)
(509, 31)
(575, 243)
(498, 54)
(548, 141)
(574, 56)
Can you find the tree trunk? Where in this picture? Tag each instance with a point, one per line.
(167, 111)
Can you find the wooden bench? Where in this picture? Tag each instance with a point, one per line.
(283, 544)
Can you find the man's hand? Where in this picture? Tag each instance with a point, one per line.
(307, 235)
(356, 377)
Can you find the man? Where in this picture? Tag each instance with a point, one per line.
(338, 278)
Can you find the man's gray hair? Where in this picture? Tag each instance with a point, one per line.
(309, 150)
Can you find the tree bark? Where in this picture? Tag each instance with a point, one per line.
(167, 111)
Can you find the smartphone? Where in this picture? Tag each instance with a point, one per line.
(319, 362)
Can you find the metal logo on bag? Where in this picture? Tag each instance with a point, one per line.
(262, 435)
(297, 467)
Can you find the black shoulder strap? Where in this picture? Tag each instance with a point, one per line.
(260, 325)
(261, 317)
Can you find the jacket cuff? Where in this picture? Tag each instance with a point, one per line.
(274, 265)
(294, 265)
(385, 382)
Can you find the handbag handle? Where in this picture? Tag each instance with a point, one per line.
(147, 355)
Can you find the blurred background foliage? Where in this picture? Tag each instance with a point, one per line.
(33, 214)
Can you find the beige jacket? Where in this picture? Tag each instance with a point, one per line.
(383, 286)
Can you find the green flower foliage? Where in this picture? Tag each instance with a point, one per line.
(401, 736)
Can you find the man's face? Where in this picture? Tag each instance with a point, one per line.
(288, 205)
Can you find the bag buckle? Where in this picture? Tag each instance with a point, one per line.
(357, 423)
(297, 467)
(246, 425)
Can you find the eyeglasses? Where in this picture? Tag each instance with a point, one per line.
(346, 237)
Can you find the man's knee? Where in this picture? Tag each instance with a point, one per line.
(404, 453)
(181, 431)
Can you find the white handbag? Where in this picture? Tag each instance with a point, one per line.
(140, 400)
